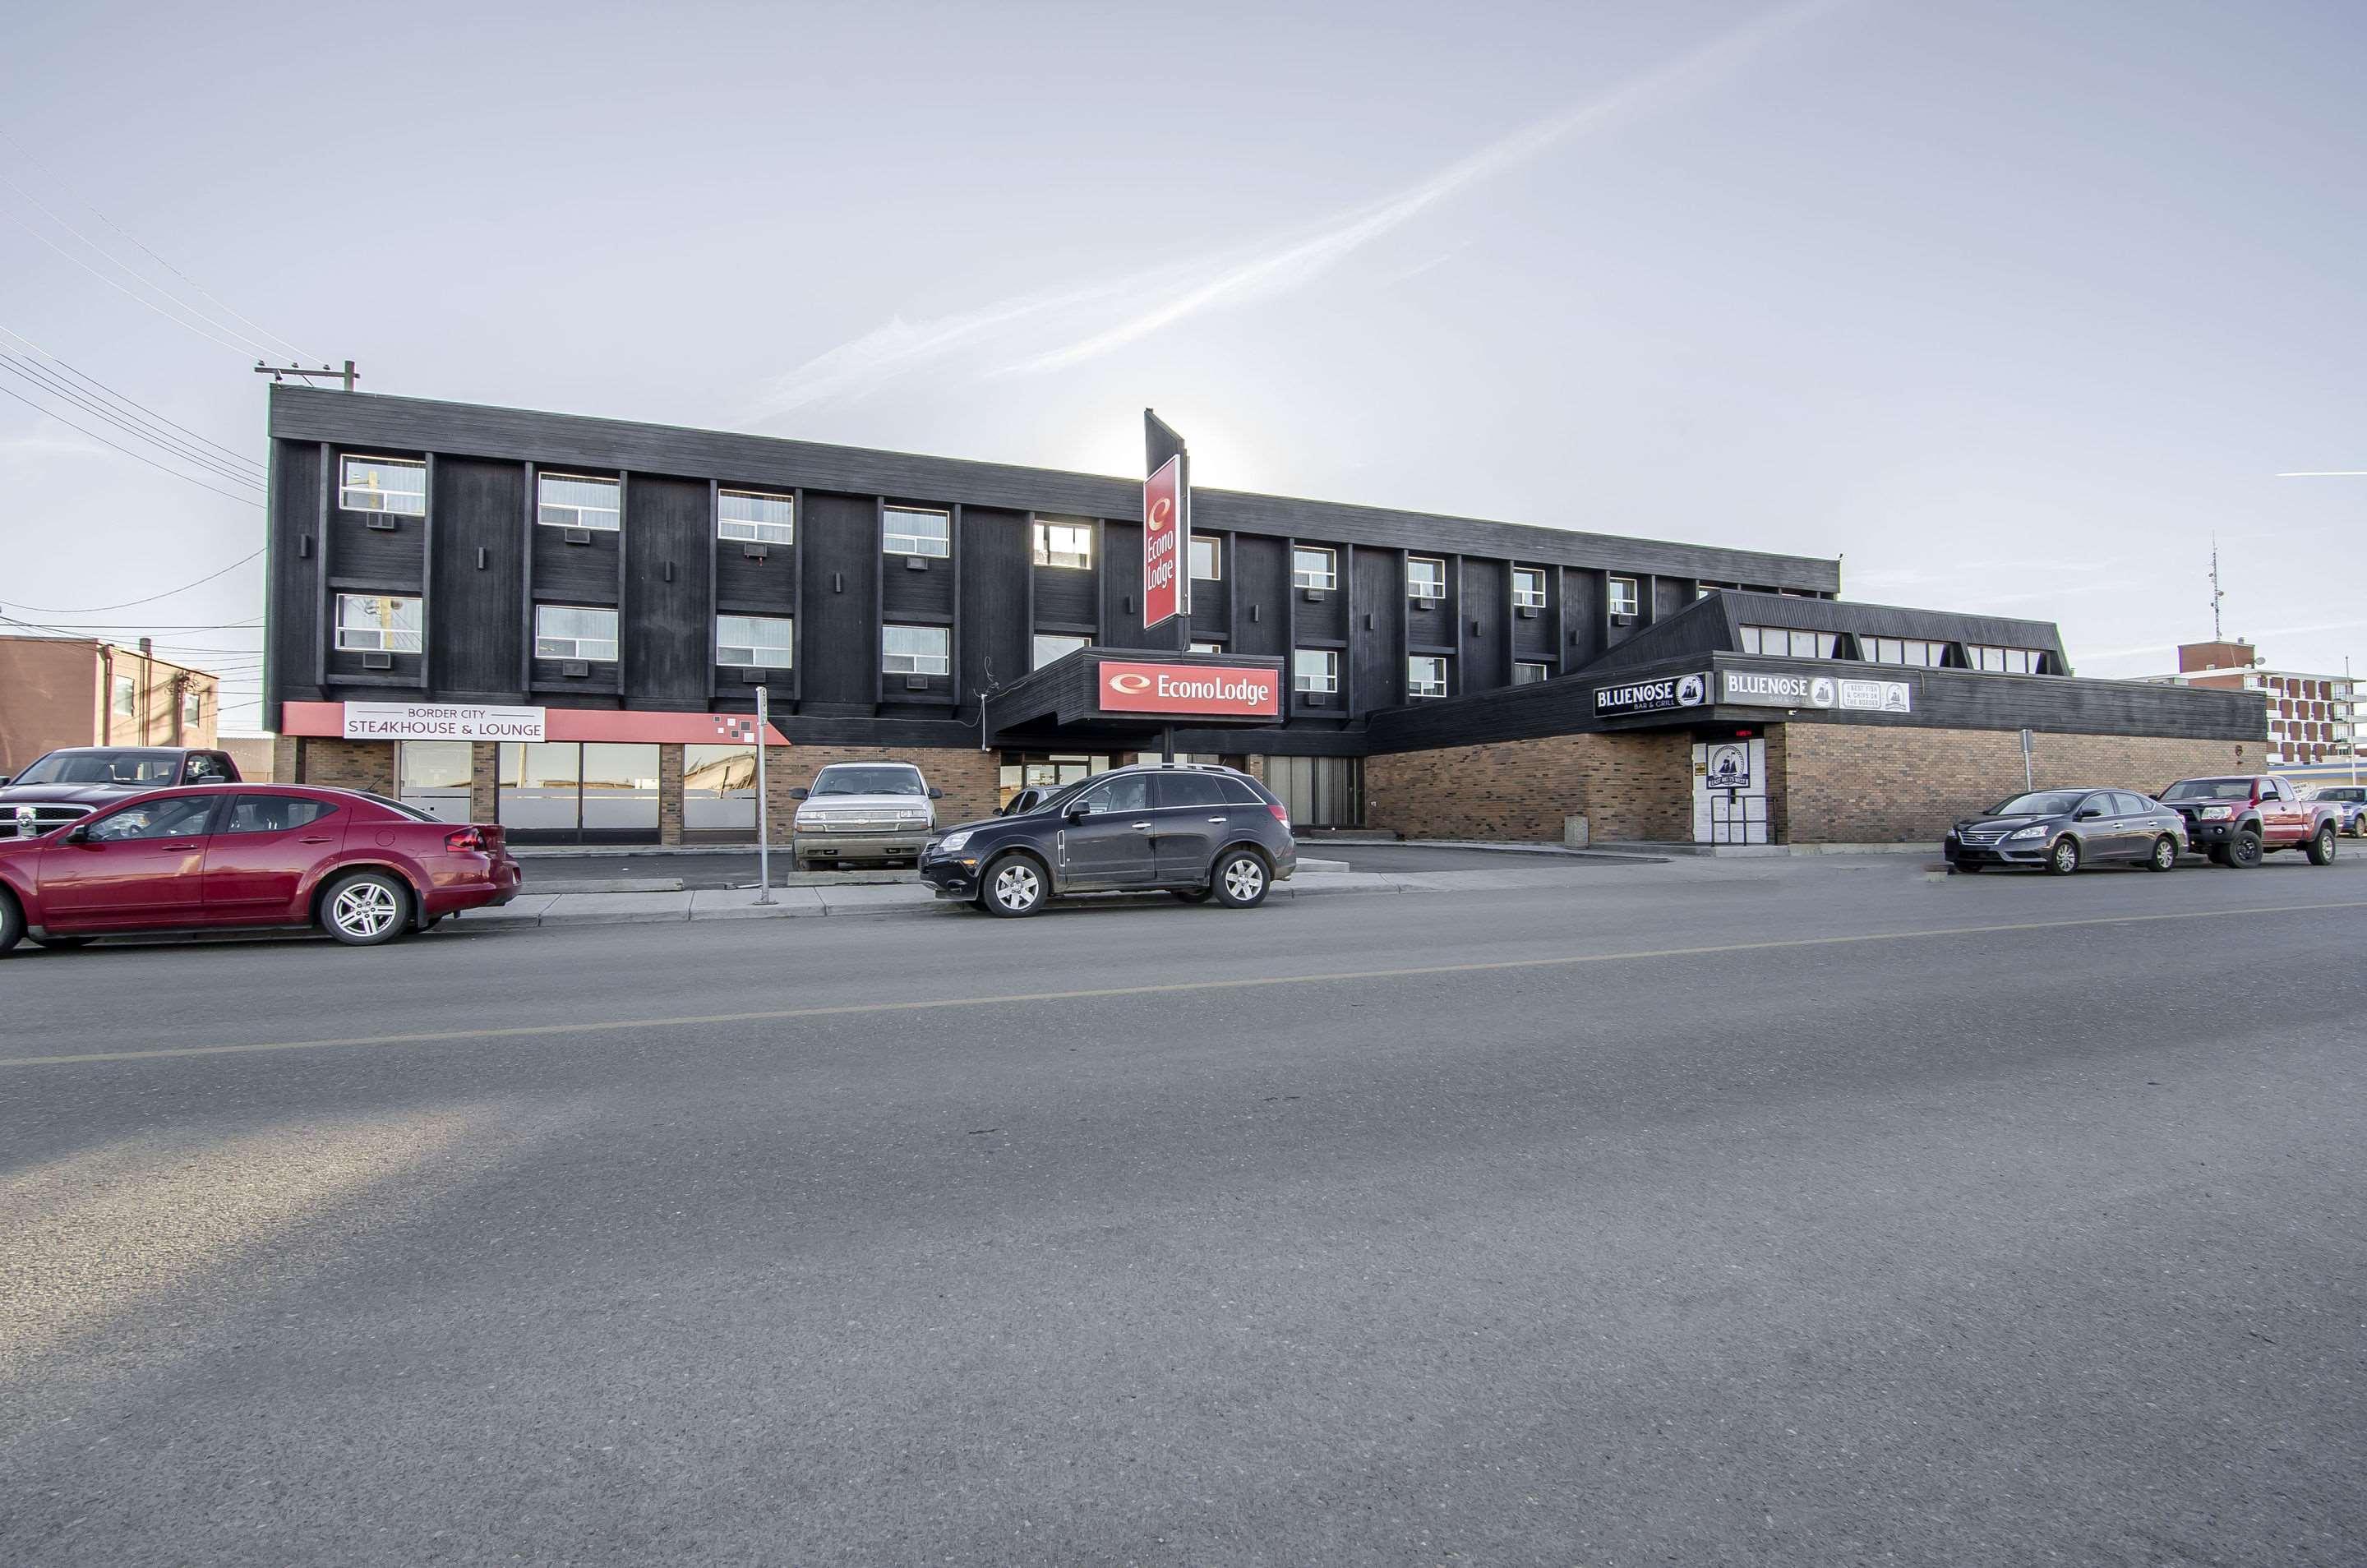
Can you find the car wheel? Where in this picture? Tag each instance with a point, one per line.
(1193, 895)
(2064, 858)
(2321, 849)
(61, 941)
(366, 909)
(2244, 850)
(12, 923)
(2165, 854)
(1015, 885)
(1242, 879)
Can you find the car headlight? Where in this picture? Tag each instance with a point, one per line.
(2038, 832)
(953, 842)
(2216, 813)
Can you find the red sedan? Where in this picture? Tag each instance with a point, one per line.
(362, 868)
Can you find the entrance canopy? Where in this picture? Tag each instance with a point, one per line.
(1110, 694)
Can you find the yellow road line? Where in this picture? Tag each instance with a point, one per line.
(773, 1015)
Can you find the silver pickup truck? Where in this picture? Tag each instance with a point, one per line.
(862, 813)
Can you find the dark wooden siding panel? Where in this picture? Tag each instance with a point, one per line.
(1582, 618)
(754, 586)
(1212, 602)
(993, 553)
(841, 637)
(1121, 574)
(1377, 667)
(1066, 600)
(393, 558)
(1487, 600)
(576, 574)
(670, 643)
(1324, 620)
(1263, 594)
(474, 612)
(292, 607)
(923, 593)
(1533, 635)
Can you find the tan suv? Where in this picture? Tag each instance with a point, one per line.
(864, 814)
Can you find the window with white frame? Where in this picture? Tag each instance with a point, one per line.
(1788, 642)
(1207, 559)
(2004, 661)
(1528, 588)
(193, 709)
(575, 631)
(1069, 545)
(1426, 675)
(754, 642)
(756, 517)
(123, 697)
(383, 484)
(911, 531)
(1313, 568)
(1624, 601)
(916, 651)
(1527, 674)
(1050, 646)
(377, 622)
(576, 500)
(1426, 579)
(1315, 670)
(1207, 648)
(1903, 650)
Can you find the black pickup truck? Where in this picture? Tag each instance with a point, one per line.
(70, 783)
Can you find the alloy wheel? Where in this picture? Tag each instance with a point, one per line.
(2165, 854)
(2066, 857)
(1244, 878)
(364, 909)
(1017, 885)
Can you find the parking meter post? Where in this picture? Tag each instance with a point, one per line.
(2027, 786)
(763, 804)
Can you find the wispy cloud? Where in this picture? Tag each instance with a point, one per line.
(1057, 327)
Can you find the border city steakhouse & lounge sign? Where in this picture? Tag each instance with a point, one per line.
(1208, 690)
(441, 721)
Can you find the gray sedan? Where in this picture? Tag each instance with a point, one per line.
(2063, 829)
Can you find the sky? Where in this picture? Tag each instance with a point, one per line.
(2013, 306)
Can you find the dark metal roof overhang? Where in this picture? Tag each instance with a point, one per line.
(1063, 699)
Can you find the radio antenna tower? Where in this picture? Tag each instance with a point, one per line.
(2217, 595)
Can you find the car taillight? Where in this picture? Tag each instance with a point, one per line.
(467, 841)
(1280, 815)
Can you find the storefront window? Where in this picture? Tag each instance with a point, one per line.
(620, 789)
(1319, 792)
(1045, 771)
(433, 776)
(718, 789)
(560, 791)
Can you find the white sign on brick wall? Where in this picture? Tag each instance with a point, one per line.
(441, 721)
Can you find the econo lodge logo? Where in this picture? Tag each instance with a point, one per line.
(1130, 683)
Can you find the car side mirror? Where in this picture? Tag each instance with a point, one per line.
(2088, 814)
(3, 781)
(800, 795)
(936, 794)
(1079, 812)
(77, 834)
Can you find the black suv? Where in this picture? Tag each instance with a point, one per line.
(1196, 831)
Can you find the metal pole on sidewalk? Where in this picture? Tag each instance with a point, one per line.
(763, 804)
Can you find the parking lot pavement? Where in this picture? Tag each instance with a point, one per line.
(1775, 1211)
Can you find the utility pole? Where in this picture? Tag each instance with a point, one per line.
(281, 372)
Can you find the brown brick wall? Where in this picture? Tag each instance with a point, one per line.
(1858, 783)
(668, 794)
(485, 781)
(1627, 787)
(346, 764)
(966, 776)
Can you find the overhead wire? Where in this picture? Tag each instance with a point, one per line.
(127, 604)
(197, 457)
(133, 403)
(127, 451)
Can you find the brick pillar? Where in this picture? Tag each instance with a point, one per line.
(485, 781)
(284, 750)
(670, 795)
(1779, 786)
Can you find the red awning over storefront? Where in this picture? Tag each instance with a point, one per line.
(328, 719)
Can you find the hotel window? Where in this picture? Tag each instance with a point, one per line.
(1067, 545)
(1784, 642)
(383, 484)
(758, 518)
(915, 650)
(574, 631)
(1622, 596)
(572, 500)
(908, 531)
(1903, 650)
(1207, 559)
(377, 622)
(1314, 568)
(1426, 579)
(1524, 674)
(1426, 675)
(753, 642)
(1528, 588)
(1050, 647)
(2004, 661)
(1207, 648)
(1315, 670)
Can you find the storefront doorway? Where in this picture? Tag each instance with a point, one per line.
(1319, 792)
(1730, 791)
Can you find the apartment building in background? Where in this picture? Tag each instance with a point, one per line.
(58, 691)
(2312, 718)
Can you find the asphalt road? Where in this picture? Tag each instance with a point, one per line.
(1784, 1213)
(559, 873)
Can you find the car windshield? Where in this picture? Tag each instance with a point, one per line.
(102, 768)
(2209, 789)
(2343, 792)
(869, 780)
(2044, 803)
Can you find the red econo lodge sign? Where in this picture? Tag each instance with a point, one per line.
(1165, 585)
(1191, 688)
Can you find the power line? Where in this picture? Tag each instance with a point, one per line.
(127, 604)
(127, 451)
(130, 402)
(40, 379)
(211, 337)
